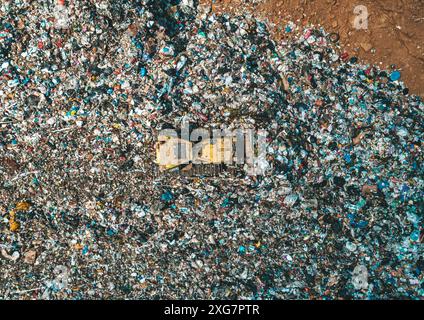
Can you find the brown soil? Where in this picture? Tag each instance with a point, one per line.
(394, 38)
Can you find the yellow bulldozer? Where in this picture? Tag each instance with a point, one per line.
(173, 152)
(176, 154)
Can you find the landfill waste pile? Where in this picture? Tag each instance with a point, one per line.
(85, 87)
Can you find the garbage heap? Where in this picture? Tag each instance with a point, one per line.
(85, 87)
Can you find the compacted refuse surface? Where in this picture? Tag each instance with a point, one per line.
(85, 213)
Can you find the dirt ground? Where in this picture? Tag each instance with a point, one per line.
(394, 38)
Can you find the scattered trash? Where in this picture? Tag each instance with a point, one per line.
(84, 93)
(394, 76)
(30, 257)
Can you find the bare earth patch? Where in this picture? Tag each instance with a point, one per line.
(394, 38)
